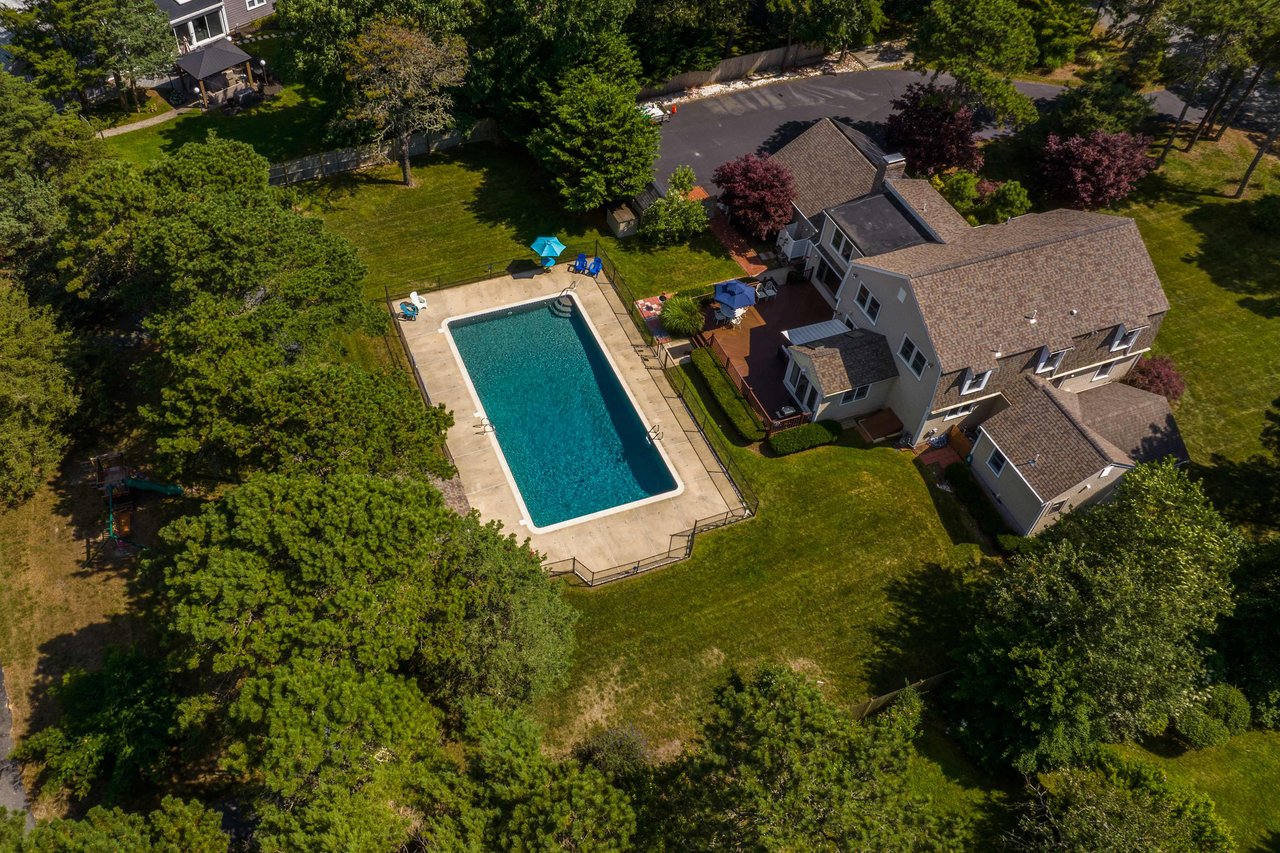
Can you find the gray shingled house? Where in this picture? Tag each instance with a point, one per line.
(197, 23)
(1014, 332)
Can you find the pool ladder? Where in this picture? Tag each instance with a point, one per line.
(485, 426)
(655, 433)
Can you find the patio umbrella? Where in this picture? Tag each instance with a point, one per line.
(735, 294)
(547, 247)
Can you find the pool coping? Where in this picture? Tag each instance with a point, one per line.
(526, 519)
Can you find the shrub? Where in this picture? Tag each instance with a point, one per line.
(982, 201)
(1198, 730)
(733, 404)
(1228, 704)
(1012, 543)
(675, 217)
(804, 437)
(1089, 172)
(620, 753)
(1159, 375)
(758, 192)
(969, 493)
(1266, 214)
(681, 316)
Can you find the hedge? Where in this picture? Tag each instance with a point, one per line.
(1198, 730)
(805, 437)
(976, 501)
(730, 399)
(1228, 704)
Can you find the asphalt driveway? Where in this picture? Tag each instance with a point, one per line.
(12, 796)
(703, 134)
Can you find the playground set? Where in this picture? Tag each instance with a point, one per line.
(118, 484)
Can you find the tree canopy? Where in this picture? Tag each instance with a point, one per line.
(593, 141)
(1098, 635)
(935, 129)
(1088, 172)
(758, 192)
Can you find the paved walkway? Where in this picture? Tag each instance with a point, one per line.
(146, 122)
(739, 248)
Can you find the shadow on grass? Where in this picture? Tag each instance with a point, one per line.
(710, 407)
(292, 125)
(1236, 257)
(929, 611)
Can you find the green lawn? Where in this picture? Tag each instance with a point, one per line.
(291, 124)
(112, 114)
(479, 205)
(1223, 283)
(1242, 777)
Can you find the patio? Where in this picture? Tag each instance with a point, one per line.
(754, 346)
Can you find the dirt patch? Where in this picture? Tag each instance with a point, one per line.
(597, 705)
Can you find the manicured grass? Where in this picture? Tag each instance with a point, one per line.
(1223, 283)
(289, 125)
(112, 114)
(1242, 777)
(479, 205)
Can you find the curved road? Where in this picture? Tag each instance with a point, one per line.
(708, 132)
(12, 796)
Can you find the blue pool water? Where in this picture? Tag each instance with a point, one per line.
(570, 435)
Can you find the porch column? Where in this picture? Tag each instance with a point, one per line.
(248, 70)
(204, 95)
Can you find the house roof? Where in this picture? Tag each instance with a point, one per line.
(936, 211)
(212, 58)
(181, 8)
(850, 359)
(830, 163)
(1035, 280)
(877, 224)
(1058, 439)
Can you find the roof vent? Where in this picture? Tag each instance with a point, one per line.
(1073, 312)
(1031, 318)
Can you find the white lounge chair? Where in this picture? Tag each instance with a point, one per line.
(419, 301)
(770, 289)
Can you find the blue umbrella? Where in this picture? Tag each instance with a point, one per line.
(547, 247)
(735, 294)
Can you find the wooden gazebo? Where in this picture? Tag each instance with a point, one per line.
(218, 63)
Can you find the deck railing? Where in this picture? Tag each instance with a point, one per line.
(771, 424)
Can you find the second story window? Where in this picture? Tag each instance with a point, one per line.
(842, 244)
(912, 357)
(1124, 338)
(996, 462)
(1049, 361)
(868, 303)
(976, 382)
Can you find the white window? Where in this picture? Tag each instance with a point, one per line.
(912, 357)
(200, 29)
(255, 4)
(1057, 507)
(1106, 472)
(996, 462)
(1124, 338)
(1104, 371)
(1049, 361)
(868, 303)
(976, 382)
(958, 411)
(842, 244)
(854, 394)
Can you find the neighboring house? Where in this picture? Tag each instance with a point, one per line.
(197, 23)
(1017, 330)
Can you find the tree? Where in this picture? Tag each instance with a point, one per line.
(115, 727)
(758, 192)
(981, 201)
(176, 825)
(979, 42)
(138, 42)
(337, 418)
(1104, 101)
(1059, 27)
(321, 31)
(778, 767)
(840, 23)
(680, 36)
(535, 804)
(60, 41)
(1089, 172)
(675, 217)
(934, 129)
(594, 143)
(36, 396)
(1115, 806)
(362, 569)
(402, 80)
(1097, 634)
(1251, 637)
(1159, 375)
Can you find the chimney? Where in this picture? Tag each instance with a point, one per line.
(894, 166)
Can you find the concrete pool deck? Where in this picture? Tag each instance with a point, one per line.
(622, 537)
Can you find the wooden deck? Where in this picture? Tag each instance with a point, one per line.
(755, 346)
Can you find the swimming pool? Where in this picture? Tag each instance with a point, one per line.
(566, 428)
